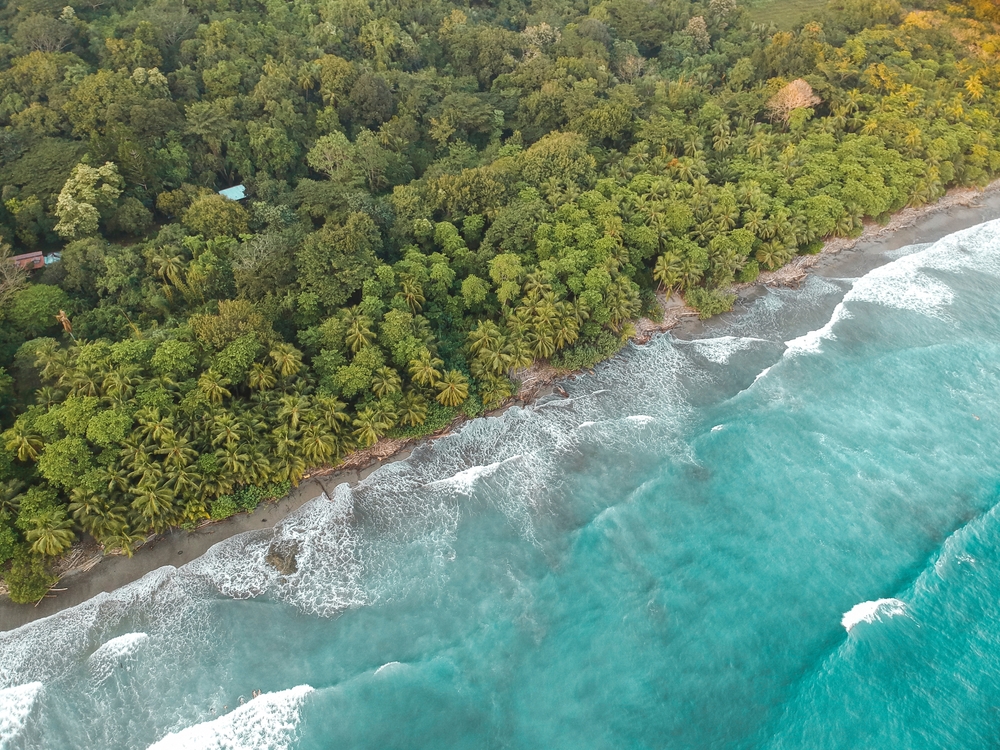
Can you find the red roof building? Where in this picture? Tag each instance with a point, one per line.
(30, 260)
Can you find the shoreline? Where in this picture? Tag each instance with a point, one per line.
(87, 572)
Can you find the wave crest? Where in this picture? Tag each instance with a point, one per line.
(872, 611)
(268, 722)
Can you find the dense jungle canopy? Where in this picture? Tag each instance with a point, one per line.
(438, 194)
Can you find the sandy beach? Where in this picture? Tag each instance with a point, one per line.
(90, 572)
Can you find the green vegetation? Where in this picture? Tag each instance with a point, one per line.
(785, 14)
(438, 195)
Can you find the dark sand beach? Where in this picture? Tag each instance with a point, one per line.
(95, 574)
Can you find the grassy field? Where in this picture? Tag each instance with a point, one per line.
(785, 13)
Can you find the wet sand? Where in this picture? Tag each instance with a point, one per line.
(841, 259)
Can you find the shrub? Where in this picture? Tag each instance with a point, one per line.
(749, 273)
(277, 490)
(709, 302)
(223, 507)
(248, 498)
(585, 354)
(28, 578)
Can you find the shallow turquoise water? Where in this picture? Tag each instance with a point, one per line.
(782, 537)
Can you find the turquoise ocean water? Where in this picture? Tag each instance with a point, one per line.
(785, 536)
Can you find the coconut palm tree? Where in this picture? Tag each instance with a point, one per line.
(359, 330)
(424, 369)
(153, 502)
(293, 409)
(25, 443)
(52, 533)
(370, 426)
(487, 335)
(412, 293)
(413, 409)
(287, 359)
(667, 272)
(48, 396)
(213, 385)
(386, 381)
(261, 377)
(177, 452)
(317, 445)
(453, 389)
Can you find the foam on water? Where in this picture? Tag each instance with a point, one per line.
(721, 348)
(641, 419)
(466, 479)
(906, 284)
(16, 704)
(389, 667)
(115, 652)
(811, 342)
(268, 722)
(872, 612)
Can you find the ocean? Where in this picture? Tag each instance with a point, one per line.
(785, 535)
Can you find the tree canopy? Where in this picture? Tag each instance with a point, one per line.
(438, 194)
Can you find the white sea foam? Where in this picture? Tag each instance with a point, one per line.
(906, 284)
(872, 611)
(114, 653)
(268, 722)
(721, 348)
(464, 480)
(585, 424)
(811, 343)
(763, 373)
(641, 419)
(16, 704)
(389, 667)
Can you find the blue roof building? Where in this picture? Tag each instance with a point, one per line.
(235, 193)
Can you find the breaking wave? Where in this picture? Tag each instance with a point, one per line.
(268, 722)
(872, 611)
(16, 704)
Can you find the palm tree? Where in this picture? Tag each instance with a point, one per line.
(623, 302)
(412, 293)
(453, 389)
(541, 341)
(359, 332)
(177, 452)
(494, 390)
(413, 409)
(293, 408)
(331, 412)
(386, 381)
(169, 268)
(234, 461)
(667, 272)
(261, 377)
(226, 430)
(120, 384)
(317, 445)
(370, 426)
(48, 396)
(423, 370)
(487, 335)
(154, 504)
(52, 533)
(22, 441)
(287, 359)
(213, 385)
(153, 426)
(84, 381)
(567, 327)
